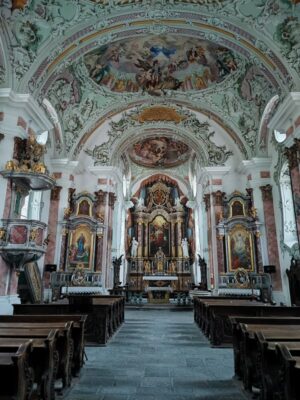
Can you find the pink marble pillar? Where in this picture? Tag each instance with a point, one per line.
(209, 238)
(271, 234)
(100, 214)
(52, 231)
(52, 224)
(293, 155)
(218, 211)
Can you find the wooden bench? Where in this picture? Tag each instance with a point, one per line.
(63, 344)
(40, 366)
(213, 316)
(285, 381)
(16, 372)
(55, 321)
(252, 353)
(104, 313)
(237, 336)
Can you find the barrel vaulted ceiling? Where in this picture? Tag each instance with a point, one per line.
(209, 62)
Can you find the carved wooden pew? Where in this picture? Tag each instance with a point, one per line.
(41, 363)
(63, 344)
(105, 313)
(288, 359)
(15, 372)
(215, 316)
(252, 350)
(237, 334)
(55, 321)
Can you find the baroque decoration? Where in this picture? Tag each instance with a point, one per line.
(216, 155)
(125, 52)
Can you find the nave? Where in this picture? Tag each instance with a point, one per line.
(157, 354)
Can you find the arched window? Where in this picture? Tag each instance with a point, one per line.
(288, 213)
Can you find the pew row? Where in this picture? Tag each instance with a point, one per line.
(63, 345)
(55, 321)
(264, 352)
(212, 316)
(104, 314)
(16, 371)
(33, 371)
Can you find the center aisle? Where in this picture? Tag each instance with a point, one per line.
(157, 354)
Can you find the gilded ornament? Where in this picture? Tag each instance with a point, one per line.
(67, 212)
(10, 165)
(2, 234)
(33, 235)
(100, 216)
(39, 168)
(253, 212)
(158, 113)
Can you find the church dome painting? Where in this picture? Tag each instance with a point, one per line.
(159, 152)
(160, 63)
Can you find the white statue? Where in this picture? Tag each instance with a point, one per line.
(185, 249)
(134, 247)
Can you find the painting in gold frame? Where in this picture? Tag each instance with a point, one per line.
(84, 207)
(81, 247)
(240, 249)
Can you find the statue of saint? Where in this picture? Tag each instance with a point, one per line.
(147, 267)
(134, 247)
(185, 249)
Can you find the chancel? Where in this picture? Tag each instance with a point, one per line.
(149, 164)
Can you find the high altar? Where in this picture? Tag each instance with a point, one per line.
(160, 240)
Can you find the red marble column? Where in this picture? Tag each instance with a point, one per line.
(209, 238)
(52, 224)
(100, 214)
(293, 155)
(218, 211)
(111, 203)
(271, 234)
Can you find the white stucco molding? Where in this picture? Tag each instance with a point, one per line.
(65, 166)
(254, 167)
(286, 115)
(108, 172)
(216, 172)
(15, 105)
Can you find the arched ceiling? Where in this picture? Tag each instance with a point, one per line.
(95, 59)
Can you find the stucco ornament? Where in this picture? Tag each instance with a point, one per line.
(288, 35)
(216, 155)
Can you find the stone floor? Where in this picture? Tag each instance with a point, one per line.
(157, 354)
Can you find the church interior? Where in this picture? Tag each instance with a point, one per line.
(149, 199)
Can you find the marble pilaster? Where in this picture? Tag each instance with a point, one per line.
(270, 225)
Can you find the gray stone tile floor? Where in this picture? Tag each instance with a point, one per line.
(156, 355)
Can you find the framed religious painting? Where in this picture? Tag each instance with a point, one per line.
(159, 236)
(81, 247)
(240, 248)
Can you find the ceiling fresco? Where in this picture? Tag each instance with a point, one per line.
(91, 59)
(157, 63)
(159, 151)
